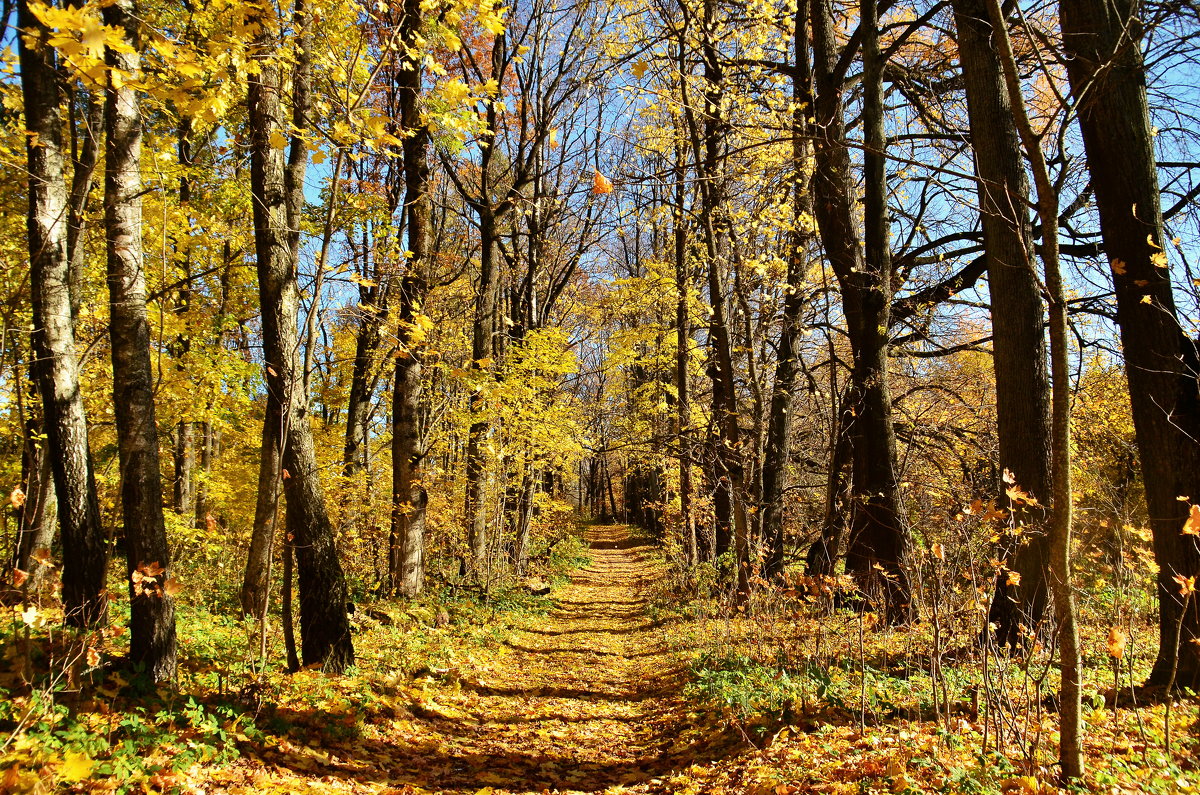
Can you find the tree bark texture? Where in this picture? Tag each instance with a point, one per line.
(152, 618)
(778, 446)
(1103, 40)
(409, 497)
(85, 548)
(277, 189)
(879, 532)
(1019, 345)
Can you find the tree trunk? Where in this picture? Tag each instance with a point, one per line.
(693, 552)
(200, 479)
(185, 457)
(778, 447)
(1019, 346)
(879, 532)
(37, 518)
(1108, 78)
(85, 548)
(278, 193)
(1070, 705)
(152, 618)
(482, 348)
(409, 498)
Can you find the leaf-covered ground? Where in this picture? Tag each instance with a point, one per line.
(584, 699)
(609, 686)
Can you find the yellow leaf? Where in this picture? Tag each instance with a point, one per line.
(278, 141)
(1119, 267)
(76, 766)
(639, 69)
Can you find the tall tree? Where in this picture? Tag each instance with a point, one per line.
(1103, 41)
(277, 188)
(85, 548)
(879, 532)
(777, 450)
(1019, 347)
(152, 618)
(1070, 706)
(406, 567)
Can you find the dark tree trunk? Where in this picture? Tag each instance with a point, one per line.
(409, 498)
(152, 619)
(1019, 345)
(879, 534)
(482, 348)
(838, 495)
(278, 193)
(205, 448)
(36, 518)
(85, 549)
(81, 189)
(693, 551)
(358, 403)
(185, 458)
(777, 450)
(1103, 42)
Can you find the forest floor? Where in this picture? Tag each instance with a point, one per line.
(586, 698)
(614, 684)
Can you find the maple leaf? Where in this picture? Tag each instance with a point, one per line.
(93, 36)
(151, 570)
(639, 68)
(1191, 527)
(19, 577)
(1119, 267)
(1187, 585)
(17, 498)
(601, 184)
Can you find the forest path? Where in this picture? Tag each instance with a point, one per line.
(584, 699)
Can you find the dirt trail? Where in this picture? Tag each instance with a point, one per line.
(589, 699)
(585, 699)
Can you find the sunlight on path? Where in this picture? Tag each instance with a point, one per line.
(585, 699)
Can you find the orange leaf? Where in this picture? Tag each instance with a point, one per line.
(1192, 526)
(19, 577)
(1116, 643)
(1119, 267)
(172, 586)
(601, 184)
(17, 498)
